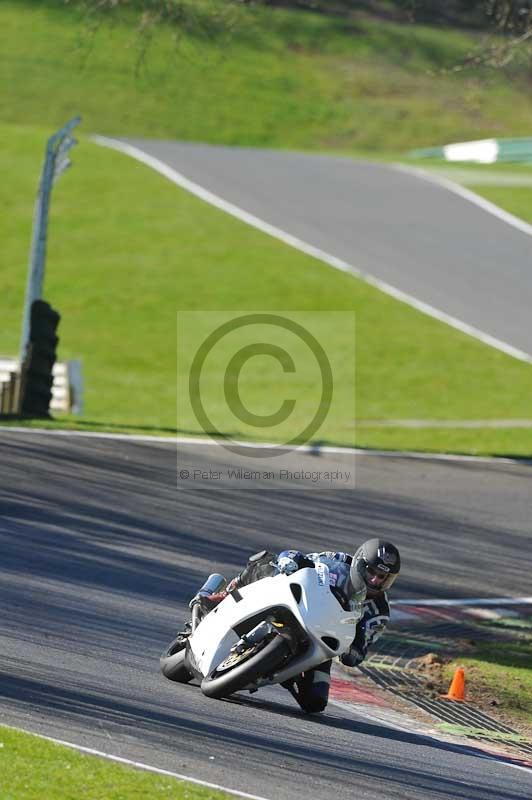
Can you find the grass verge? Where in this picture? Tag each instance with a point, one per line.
(128, 249)
(499, 679)
(32, 768)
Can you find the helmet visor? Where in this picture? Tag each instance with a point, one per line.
(378, 579)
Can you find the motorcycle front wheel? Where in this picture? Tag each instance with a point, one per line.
(239, 670)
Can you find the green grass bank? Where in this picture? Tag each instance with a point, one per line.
(128, 249)
(283, 78)
(32, 768)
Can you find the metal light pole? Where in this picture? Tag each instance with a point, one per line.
(56, 161)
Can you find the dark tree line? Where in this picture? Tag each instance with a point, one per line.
(507, 23)
(511, 16)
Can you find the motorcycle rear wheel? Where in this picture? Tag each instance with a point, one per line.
(261, 660)
(173, 663)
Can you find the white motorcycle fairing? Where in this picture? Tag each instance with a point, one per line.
(305, 594)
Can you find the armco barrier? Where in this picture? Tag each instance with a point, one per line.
(483, 151)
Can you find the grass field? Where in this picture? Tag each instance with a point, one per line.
(312, 81)
(32, 768)
(128, 250)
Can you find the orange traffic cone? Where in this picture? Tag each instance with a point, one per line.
(457, 687)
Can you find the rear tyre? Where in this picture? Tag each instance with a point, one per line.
(173, 662)
(259, 661)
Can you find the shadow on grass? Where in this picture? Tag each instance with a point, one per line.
(513, 654)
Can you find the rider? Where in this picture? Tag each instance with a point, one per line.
(374, 567)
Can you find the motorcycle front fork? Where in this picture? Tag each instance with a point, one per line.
(264, 630)
(254, 636)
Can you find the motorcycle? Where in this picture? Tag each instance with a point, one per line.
(265, 633)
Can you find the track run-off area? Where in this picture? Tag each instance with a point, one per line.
(101, 553)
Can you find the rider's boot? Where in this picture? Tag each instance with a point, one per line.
(311, 689)
(211, 593)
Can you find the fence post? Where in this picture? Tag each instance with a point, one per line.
(56, 161)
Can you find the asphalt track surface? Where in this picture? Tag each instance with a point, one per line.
(406, 231)
(100, 553)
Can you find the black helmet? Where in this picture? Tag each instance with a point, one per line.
(378, 563)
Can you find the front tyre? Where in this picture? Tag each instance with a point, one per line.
(173, 662)
(240, 670)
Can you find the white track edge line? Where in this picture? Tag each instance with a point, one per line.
(139, 764)
(120, 437)
(315, 252)
(467, 194)
(316, 449)
(469, 601)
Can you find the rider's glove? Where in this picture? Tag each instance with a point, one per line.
(353, 657)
